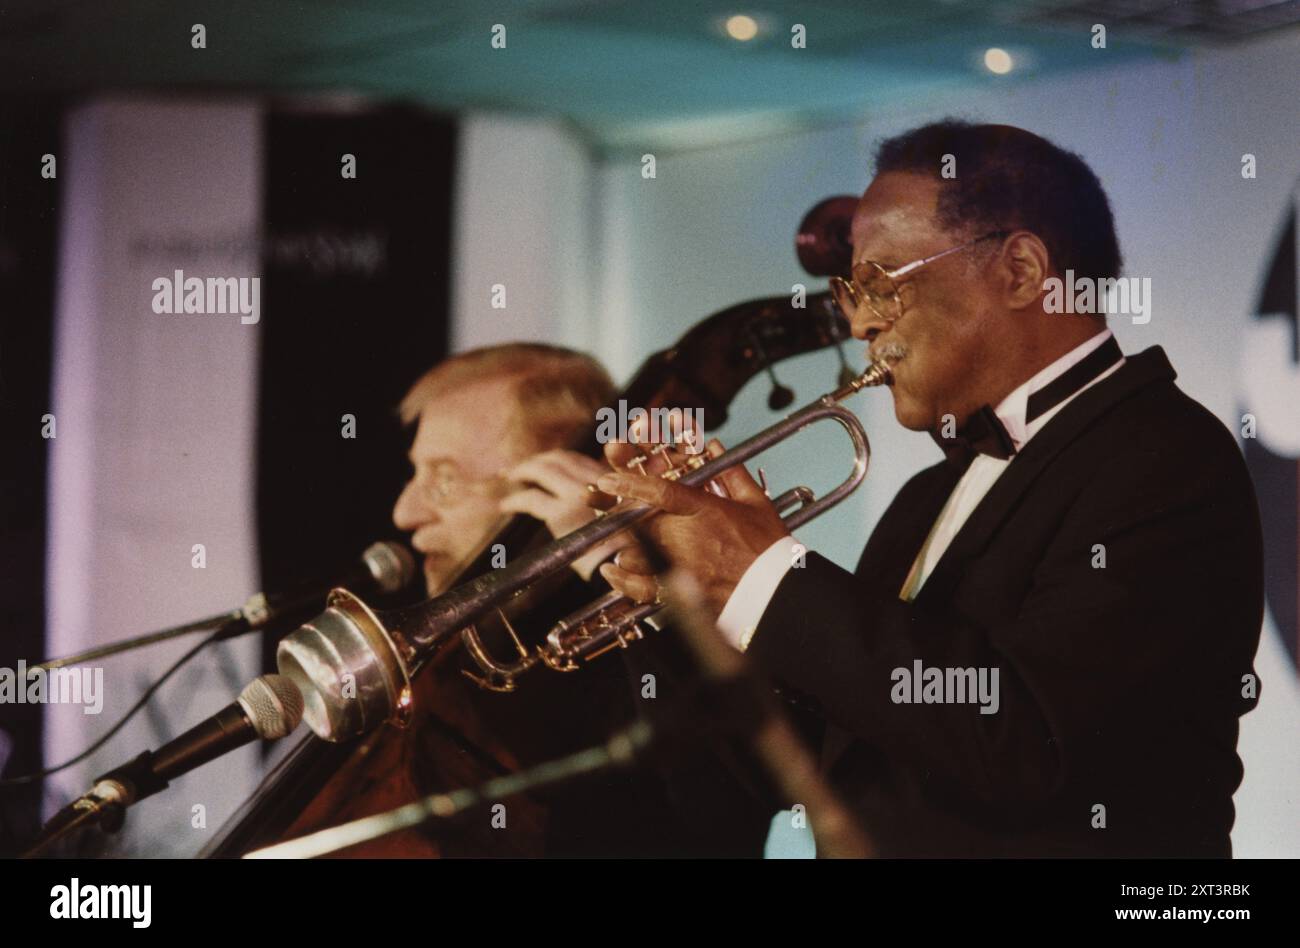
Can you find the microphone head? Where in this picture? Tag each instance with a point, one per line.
(273, 705)
(391, 565)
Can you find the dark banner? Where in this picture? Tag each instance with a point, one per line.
(29, 201)
(356, 288)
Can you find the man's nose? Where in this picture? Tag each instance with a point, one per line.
(867, 325)
(410, 512)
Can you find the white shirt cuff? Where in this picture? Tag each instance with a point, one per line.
(748, 602)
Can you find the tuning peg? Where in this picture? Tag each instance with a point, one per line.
(780, 396)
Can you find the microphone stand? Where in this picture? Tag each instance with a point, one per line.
(384, 565)
(237, 621)
(106, 804)
(619, 751)
(253, 616)
(102, 806)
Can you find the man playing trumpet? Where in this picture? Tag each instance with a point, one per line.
(1091, 542)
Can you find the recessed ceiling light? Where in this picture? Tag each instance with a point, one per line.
(998, 61)
(741, 27)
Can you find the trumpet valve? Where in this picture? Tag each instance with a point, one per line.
(664, 451)
(692, 462)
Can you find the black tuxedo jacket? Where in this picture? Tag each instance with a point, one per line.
(1120, 685)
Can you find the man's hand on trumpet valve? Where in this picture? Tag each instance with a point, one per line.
(714, 538)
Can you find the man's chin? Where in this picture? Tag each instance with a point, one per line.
(910, 415)
(435, 577)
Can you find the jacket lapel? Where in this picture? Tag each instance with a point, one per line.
(1139, 371)
(906, 525)
(891, 549)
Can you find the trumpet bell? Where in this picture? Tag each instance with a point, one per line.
(348, 670)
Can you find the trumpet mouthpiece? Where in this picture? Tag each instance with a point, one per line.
(878, 373)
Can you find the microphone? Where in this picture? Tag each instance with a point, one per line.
(384, 567)
(269, 708)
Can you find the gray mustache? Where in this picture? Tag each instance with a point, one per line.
(888, 352)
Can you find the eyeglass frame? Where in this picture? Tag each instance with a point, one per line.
(456, 486)
(859, 296)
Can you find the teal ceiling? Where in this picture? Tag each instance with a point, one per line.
(624, 74)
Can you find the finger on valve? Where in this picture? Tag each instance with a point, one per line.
(635, 586)
(633, 559)
(610, 550)
(600, 501)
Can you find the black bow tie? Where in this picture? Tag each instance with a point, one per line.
(984, 433)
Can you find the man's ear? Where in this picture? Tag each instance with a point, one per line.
(1026, 265)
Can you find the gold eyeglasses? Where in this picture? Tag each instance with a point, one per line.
(878, 288)
(447, 484)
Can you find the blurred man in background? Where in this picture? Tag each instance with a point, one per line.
(493, 427)
(494, 434)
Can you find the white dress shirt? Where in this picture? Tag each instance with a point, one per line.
(748, 602)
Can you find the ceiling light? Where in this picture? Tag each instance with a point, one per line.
(741, 27)
(997, 61)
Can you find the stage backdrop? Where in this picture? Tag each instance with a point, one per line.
(204, 456)
(150, 496)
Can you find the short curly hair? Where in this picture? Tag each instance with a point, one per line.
(1008, 178)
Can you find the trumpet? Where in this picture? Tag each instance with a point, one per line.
(354, 665)
(610, 621)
